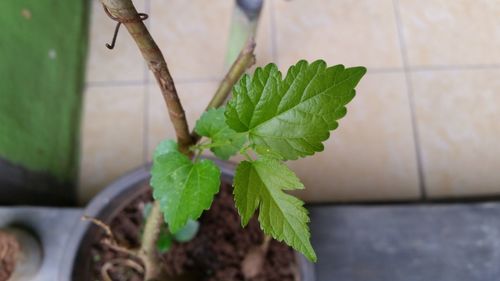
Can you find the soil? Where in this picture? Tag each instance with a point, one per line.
(9, 251)
(216, 253)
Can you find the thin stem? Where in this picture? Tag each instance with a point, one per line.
(148, 243)
(209, 145)
(245, 59)
(244, 152)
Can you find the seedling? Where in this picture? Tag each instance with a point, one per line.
(268, 120)
(271, 118)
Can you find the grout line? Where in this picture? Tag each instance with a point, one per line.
(453, 67)
(409, 69)
(274, 40)
(115, 83)
(124, 83)
(193, 80)
(410, 93)
(376, 70)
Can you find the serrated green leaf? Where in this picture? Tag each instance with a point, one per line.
(183, 188)
(265, 151)
(292, 116)
(212, 124)
(261, 183)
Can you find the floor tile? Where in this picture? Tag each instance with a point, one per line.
(371, 156)
(349, 32)
(451, 32)
(112, 136)
(192, 35)
(124, 62)
(458, 115)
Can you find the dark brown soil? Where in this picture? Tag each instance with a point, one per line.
(216, 253)
(9, 250)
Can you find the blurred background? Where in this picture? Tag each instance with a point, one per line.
(425, 125)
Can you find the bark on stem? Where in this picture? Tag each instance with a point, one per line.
(125, 12)
(148, 244)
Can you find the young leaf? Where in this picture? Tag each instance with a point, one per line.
(212, 124)
(165, 240)
(292, 116)
(188, 232)
(183, 188)
(261, 183)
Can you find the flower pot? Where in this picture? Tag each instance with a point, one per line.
(76, 263)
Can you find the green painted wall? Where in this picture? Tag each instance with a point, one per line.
(42, 54)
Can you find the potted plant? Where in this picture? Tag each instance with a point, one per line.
(186, 234)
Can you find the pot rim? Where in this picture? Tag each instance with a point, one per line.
(100, 203)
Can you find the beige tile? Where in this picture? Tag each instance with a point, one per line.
(444, 32)
(458, 115)
(371, 156)
(192, 35)
(111, 140)
(194, 97)
(124, 62)
(361, 32)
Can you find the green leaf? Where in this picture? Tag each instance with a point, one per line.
(165, 147)
(294, 115)
(165, 240)
(261, 183)
(183, 188)
(264, 151)
(226, 141)
(188, 232)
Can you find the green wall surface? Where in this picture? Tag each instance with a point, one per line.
(42, 54)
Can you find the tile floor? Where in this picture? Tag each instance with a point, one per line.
(425, 123)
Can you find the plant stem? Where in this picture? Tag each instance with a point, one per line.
(244, 152)
(125, 12)
(148, 243)
(245, 59)
(244, 21)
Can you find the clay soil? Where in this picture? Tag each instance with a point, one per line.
(216, 253)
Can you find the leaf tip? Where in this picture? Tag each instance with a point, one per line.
(312, 257)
